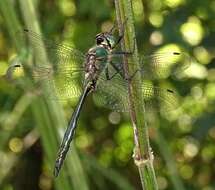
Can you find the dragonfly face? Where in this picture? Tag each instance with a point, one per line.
(106, 39)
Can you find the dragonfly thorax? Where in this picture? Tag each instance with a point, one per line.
(96, 60)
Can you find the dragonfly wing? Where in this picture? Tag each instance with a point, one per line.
(65, 87)
(163, 65)
(64, 74)
(159, 99)
(114, 95)
(57, 53)
(158, 65)
(64, 84)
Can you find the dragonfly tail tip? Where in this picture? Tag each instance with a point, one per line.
(56, 171)
(57, 167)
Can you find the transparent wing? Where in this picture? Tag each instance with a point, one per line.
(66, 71)
(64, 84)
(159, 65)
(159, 99)
(113, 94)
(57, 53)
(162, 65)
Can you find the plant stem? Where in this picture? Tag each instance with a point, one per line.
(13, 118)
(53, 118)
(143, 156)
(11, 21)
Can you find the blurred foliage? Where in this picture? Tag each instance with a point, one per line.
(182, 141)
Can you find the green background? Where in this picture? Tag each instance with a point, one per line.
(182, 141)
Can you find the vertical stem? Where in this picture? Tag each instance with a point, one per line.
(11, 21)
(143, 156)
(73, 173)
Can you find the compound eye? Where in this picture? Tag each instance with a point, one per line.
(99, 40)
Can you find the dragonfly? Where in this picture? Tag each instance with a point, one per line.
(75, 74)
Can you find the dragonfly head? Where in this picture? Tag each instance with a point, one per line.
(105, 39)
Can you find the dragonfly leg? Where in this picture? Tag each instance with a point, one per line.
(132, 76)
(119, 69)
(113, 28)
(108, 77)
(121, 35)
(118, 40)
(125, 52)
